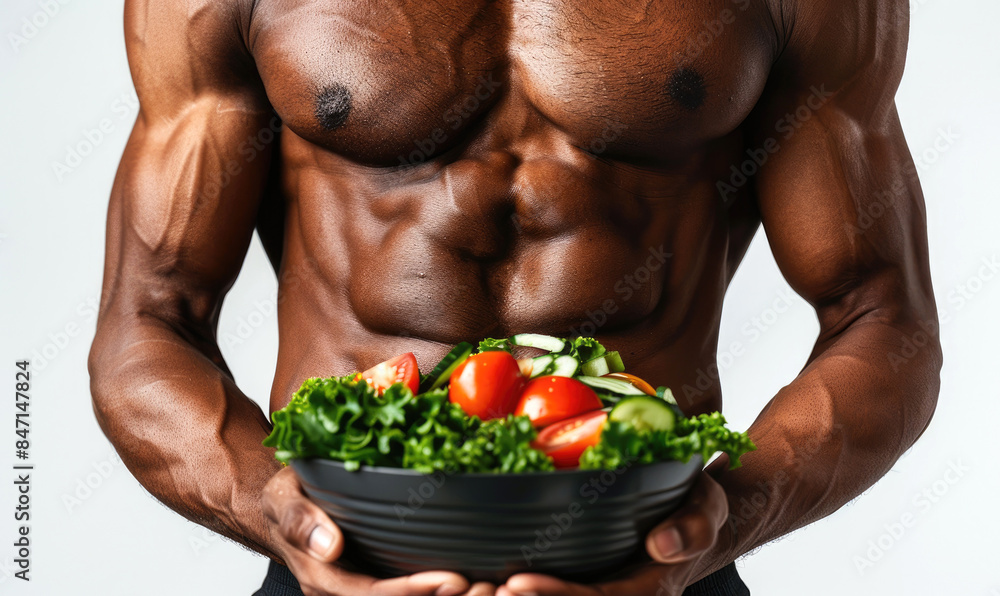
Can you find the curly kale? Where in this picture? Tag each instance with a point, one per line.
(344, 419)
(704, 434)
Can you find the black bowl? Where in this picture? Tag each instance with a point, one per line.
(574, 524)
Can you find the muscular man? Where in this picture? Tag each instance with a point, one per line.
(422, 173)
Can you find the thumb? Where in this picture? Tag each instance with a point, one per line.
(300, 522)
(692, 529)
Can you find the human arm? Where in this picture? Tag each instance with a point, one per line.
(180, 219)
(844, 216)
(176, 238)
(843, 213)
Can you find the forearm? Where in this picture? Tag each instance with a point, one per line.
(182, 427)
(860, 403)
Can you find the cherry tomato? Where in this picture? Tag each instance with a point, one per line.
(550, 399)
(487, 385)
(634, 381)
(401, 369)
(566, 441)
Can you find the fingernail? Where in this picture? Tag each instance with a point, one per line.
(668, 543)
(449, 590)
(320, 541)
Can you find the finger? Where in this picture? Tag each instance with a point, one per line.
(426, 583)
(661, 580)
(692, 529)
(537, 584)
(301, 523)
(481, 589)
(322, 579)
(313, 541)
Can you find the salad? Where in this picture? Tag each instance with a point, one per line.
(481, 410)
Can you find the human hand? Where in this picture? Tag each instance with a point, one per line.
(309, 543)
(676, 546)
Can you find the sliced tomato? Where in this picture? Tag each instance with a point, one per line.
(566, 441)
(634, 381)
(546, 400)
(487, 385)
(401, 369)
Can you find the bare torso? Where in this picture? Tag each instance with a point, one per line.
(454, 172)
(447, 171)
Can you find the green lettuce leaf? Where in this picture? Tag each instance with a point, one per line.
(586, 349)
(344, 419)
(704, 434)
(494, 345)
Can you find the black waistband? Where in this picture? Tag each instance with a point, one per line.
(279, 582)
(724, 582)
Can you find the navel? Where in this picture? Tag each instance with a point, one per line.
(333, 106)
(687, 88)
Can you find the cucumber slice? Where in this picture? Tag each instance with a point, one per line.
(614, 361)
(541, 365)
(442, 372)
(565, 366)
(666, 395)
(644, 413)
(598, 367)
(542, 342)
(610, 385)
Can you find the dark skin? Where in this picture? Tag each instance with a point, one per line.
(444, 172)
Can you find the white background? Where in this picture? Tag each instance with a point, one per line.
(96, 531)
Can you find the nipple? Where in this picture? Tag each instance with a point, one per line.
(687, 88)
(333, 106)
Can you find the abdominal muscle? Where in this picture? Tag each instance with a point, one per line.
(494, 242)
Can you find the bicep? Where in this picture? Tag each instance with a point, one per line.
(185, 198)
(839, 199)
